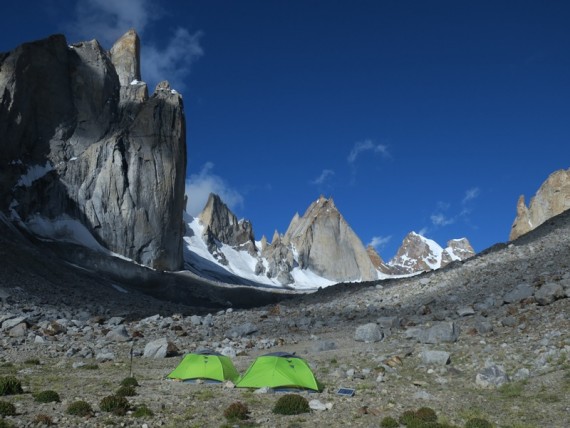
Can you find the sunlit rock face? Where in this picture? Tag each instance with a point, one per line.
(552, 198)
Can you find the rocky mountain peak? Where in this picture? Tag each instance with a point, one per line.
(418, 253)
(222, 224)
(327, 245)
(552, 198)
(461, 248)
(99, 153)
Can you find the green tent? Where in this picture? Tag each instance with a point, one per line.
(279, 370)
(207, 365)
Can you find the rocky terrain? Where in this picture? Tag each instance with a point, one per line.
(487, 337)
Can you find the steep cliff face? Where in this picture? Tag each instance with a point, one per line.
(325, 244)
(82, 140)
(552, 198)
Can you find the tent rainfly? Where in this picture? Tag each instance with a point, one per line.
(279, 370)
(207, 365)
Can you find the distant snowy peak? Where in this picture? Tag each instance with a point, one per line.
(318, 249)
(418, 253)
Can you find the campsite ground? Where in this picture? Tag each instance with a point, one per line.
(73, 336)
(385, 385)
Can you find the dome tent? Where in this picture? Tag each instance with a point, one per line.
(279, 370)
(206, 365)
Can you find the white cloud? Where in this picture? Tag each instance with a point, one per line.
(107, 20)
(366, 145)
(470, 195)
(199, 186)
(325, 175)
(440, 219)
(174, 61)
(423, 231)
(379, 242)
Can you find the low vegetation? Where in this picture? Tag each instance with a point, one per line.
(114, 404)
(7, 409)
(10, 385)
(48, 396)
(236, 411)
(79, 408)
(291, 404)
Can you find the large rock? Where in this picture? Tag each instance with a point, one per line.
(160, 348)
(437, 333)
(552, 198)
(370, 332)
(520, 292)
(81, 143)
(549, 292)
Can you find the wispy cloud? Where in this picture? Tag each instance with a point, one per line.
(365, 146)
(379, 242)
(424, 231)
(470, 194)
(440, 216)
(107, 20)
(440, 219)
(199, 186)
(172, 62)
(325, 176)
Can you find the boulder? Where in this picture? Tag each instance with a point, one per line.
(368, 333)
(118, 334)
(491, 377)
(548, 293)
(160, 348)
(241, 330)
(438, 333)
(439, 358)
(520, 292)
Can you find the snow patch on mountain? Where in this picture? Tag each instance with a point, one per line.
(239, 263)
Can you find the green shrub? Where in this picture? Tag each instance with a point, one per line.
(32, 361)
(126, 391)
(79, 408)
(9, 385)
(142, 411)
(47, 397)
(129, 381)
(42, 419)
(114, 404)
(389, 422)
(291, 404)
(5, 424)
(236, 411)
(426, 414)
(90, 367)
(7, 409)
(478, 423)
(408, 417)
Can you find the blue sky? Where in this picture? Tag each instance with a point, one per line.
(432, 116)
